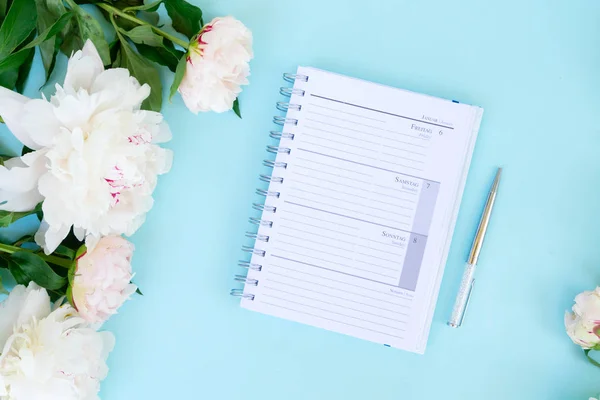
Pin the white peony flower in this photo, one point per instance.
(48, 355)
(101, 283)
(583, 324)
(95, 162)
(217, 66)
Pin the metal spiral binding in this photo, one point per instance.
(288, 92)
(264, 208)
(267, 193)
(284, 120)
(281, 135)
(249, 265)
(274, 164)
(284, 106)
(270, 178)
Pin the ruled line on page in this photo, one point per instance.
(321, 220)
(275, 289)
(366, 133)
(368, 141)
(352, 187)
(348, 201)
(294, 197)
(295, 279)
(332, 262)
(345, 112)
(333, 270)
(366, 165)
(349, 217)
(334, 166)
(381, 111)
(344, 283)
(331, 173)
(330, 319)
(344, 241)
(395, 328)
(330, 303)
(367, 126)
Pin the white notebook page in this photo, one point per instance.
(366, 209)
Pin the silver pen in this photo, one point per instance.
(468, 279)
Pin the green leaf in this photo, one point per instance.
(18, 25)
(14, 61)
(8, 217)
(166, 55)
(127, 4)
(17, 272)
(3, 8)
(151, 7)
(145, 72)
(236, 108)
(26, 150)
(24, 72)
(9, 77)
(187, 18)
(179, 72)
(20, 57)
(2, 288)
(64, 251)
(51, 31)
(144, 34)
(151, 17)
(138, 291)
(38, 270)
(87, 27)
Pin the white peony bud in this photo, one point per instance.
(217, 66)
(102, 279)
(583, 324)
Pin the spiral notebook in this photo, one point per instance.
(359, 209)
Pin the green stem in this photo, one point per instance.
(5, 248)
(115, 11)
(590, 359)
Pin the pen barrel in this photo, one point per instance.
(464, 294)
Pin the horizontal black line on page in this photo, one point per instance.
(347, 216)
(330, 295)
(333, 270)
(350, 250)
(359, 212)
(332, 262)
(320, 220)
(340, 240)
(333, 166)
(368, 141)
(382, 112)
(366, 133)
(329, 319)
(368, 126)
(336, 305)
(344, 283)
(348, 186)
(348, 201)
(395, 328)
(345, 112)
(367, 165)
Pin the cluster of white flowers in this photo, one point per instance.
(49, 354)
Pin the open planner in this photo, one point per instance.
(359, 207)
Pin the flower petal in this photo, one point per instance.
(49, 237)
(19, 181)
(40, 122)
(83, 68)
(11, 111)
(21, 306)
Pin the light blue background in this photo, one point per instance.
(535, 68)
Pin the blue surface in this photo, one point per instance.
(534, 66)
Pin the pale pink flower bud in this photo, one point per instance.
(102, 279)
(217, 66)
(583, 324)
